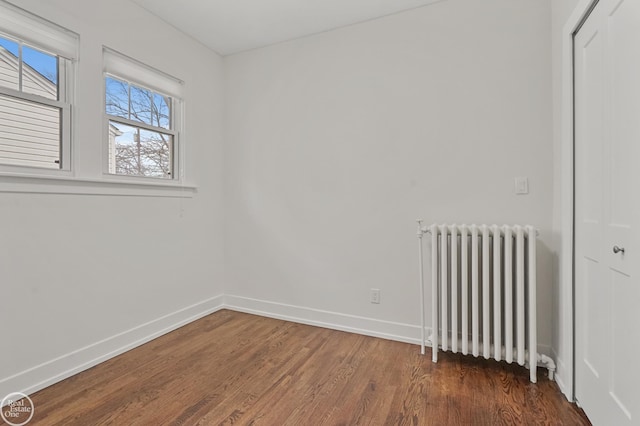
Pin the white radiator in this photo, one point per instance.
(484, 293)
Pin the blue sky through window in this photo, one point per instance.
(44, 63)
(11, 46)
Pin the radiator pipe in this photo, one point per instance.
(421, 267)
(434, 292)
(541, 360)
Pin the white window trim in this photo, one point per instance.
(177, 173)
(24, 26)
(34, 184)
(120, 66)
(38, 31)
(34, 31)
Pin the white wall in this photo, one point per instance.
(337, 142)
(79, 269)
(562, 320)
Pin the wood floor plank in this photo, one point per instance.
(231, 368)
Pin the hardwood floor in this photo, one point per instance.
(234, 368)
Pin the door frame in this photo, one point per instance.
(567, 314)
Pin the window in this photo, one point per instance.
(36, 60)
(142, 120)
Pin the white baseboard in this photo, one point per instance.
(401, 332)
(561, 377)
(55, 370)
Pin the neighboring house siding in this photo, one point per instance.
(113, 134)
(8, 70)
(36, 84)
(29, 132)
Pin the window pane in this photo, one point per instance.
(139, 152)
(161, 116)
(9, 64)
(9, 45)
(117, 97)
(29, 133)
(140, 105)
(39, 73)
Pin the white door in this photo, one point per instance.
(607, 213)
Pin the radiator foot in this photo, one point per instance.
(434, 351)
(548, 363)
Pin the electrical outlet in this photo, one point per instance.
(522, 185)
(375, 295)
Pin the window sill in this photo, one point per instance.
(35, 184)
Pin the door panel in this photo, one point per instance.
(607, 178)
(621, 56)
(623, 343)
(595, 303)
(592, 307)
(623, 60)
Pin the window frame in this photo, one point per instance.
(124, 68)
(81, 145)
(108, 118)
(64, 101)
